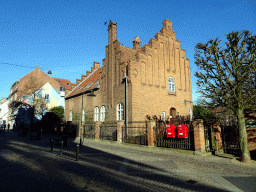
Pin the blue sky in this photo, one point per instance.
(66, 36)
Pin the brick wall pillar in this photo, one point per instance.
(119, 125)
(97, 129)
(151, 135)
(199, 139)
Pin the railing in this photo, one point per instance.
(137, 133)
(108, 131)
(89, 131)
(179, 143)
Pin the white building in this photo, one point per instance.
(3, 111)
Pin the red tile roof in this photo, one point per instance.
(63, 82)
(87, 84)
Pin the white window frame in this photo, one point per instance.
(46, 96)
(96, 114)
(163, 115)
(119, 112)
(171, 84)
(190, 113)
(102, 113)
(83, 113)
(70, 115)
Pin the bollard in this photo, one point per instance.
(61, 147)
(51, 145)
(80, 142)
(77, 152)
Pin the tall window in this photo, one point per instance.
(120, 112)
(163, 115)
(96, 114)
(102, 113)
(171, 84)
(83, 115)
(70, 115)
(190, 113)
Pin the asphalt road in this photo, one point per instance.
(107, 166)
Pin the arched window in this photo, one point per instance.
(83, 113)
(120, 112)
(171, 84)
(172, 113)
(70, 115)
(102, 113)
(96, 114)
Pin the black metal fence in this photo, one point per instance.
(108, 131)
(180, 143)
(137, 133)
(89, 131)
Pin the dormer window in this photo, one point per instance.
(62, 88)
(67, 83)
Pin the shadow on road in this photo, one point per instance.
(29, 166)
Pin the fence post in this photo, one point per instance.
(77, 152)
(199, 138)
(150, 133)
(97, 129)
(119, 125)
(51, 145)
(61, 147)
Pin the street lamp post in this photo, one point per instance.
(125, 79)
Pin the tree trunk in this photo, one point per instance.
(245, 153)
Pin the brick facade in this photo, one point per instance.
(148, 68)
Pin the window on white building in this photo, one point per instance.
(102, 113)
(120, 112)
(83, 113)
(171, 84)
(70, 115)
(46, 96)
(62, 88)
(96, 114)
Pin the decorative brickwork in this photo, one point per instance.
(148, 69)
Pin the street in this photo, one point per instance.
(107, 166)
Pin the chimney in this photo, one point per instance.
(111, 32)
(136, 43)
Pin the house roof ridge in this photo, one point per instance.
(81, 82)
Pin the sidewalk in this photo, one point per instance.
(108, 166)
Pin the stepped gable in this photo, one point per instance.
(83, 86)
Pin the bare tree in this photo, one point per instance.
(31, 96)
(226, 77)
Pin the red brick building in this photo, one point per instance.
(159, 81)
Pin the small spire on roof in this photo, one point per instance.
(136, 39)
